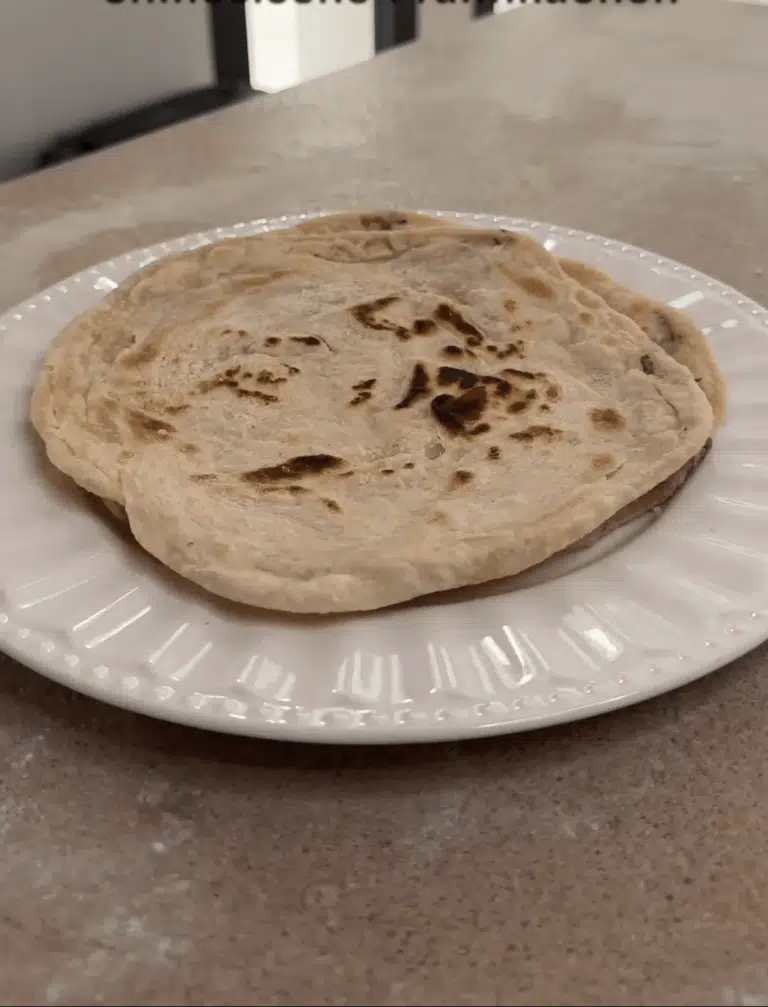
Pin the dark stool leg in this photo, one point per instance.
(395, 22)
(482, 7)
(230, 41)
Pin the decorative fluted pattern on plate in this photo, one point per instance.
(581, 634)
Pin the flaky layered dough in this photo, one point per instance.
(682, 339)
(339, 421)
(670, 329)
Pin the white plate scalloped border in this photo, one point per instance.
(652, 609)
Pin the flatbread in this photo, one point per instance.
(674, 331)
(339, 422)
(366, 220)
(669, 328)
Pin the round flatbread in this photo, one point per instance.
(337, 422)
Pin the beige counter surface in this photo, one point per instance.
(618, 861)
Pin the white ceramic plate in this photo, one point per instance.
(656, 606)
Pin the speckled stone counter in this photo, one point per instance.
(618, 861)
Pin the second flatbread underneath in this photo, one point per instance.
(670, 329)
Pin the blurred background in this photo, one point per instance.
(80, 75)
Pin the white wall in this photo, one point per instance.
(65, 63)
(291, 42)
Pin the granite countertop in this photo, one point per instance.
(617, 861)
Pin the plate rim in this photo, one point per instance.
(24, 645)
(435, 732)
